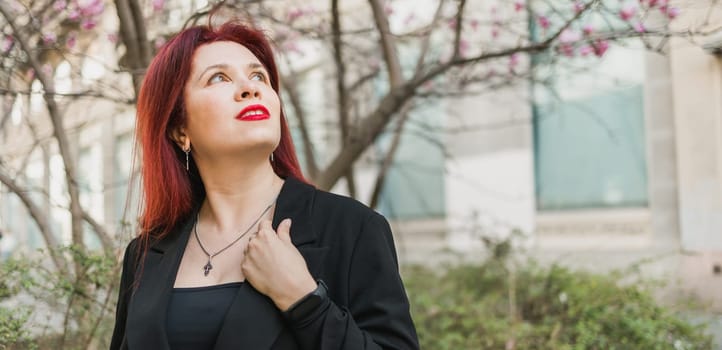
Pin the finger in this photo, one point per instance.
(248, 245)
(265, 227)
(284, 231)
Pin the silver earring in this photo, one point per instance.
(271, 157)
(187, 151)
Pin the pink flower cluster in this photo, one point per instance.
(572, 42)
(298, 12)
(87, 12)
(7, 44)
(670, 11)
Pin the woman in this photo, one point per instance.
(236, 250)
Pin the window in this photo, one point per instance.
(589, 139)
(414, 184)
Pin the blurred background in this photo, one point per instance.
(552, 169)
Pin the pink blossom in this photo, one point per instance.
(292, 46)
(294, 14)
(578, 6)
(7, 43)
(94, 8)
(88, 24)
(410, 18)
(514, 60)
(49, 38)
(588, 29)
(71, 40)
(113, 38)
(652, 3)
(60, 5)
(388, 9)
(463, 47)
(569, 36)
(600, 47)
(673, 12)
(518, 5)
(158, 5)
(586, 50)
(159, 42)
(495, 32)
(452, 23)
(74, 15)
(627, 12)
(543, 22)
(639, 27)
(566, 50)
(474, 24)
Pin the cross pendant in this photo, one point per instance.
(207, 269)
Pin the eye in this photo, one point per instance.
(217, 77)
(258, 76)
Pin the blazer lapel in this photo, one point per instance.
(296, 202)
(253, 321)
(148, 306)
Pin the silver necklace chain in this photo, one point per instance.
(208, 266)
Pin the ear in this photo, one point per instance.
(179, 136)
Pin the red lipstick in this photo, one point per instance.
(253, 112)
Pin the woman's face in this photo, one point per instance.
(230, 105)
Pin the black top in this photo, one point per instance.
(195, 315)
(344, 243)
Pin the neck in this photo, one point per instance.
(236, 193)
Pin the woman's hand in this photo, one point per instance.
(274, 266)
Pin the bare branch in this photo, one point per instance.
(458, 28)
(427, 39)
(100, 231)
(58, 128)
(79, 94)
(388, 46)
(291, 87)
(40, 218)
(389, 158)
(341, 91)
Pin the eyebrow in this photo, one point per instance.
(252, 65)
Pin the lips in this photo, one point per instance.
(253, 112)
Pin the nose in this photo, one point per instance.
(245, 90)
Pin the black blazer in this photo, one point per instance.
(344, 243)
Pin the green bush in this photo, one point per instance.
(492, 307)
(83, 299)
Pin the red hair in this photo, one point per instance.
(170, 191)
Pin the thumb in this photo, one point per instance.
(284, 231)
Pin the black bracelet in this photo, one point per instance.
(309, 302)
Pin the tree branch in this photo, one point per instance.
(458, 27)
(79, 94)
(388, 45)
(291, 88)
(389, 158)
(58, 128)
(341, 92)
(40, 218)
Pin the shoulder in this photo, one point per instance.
(332, 205)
